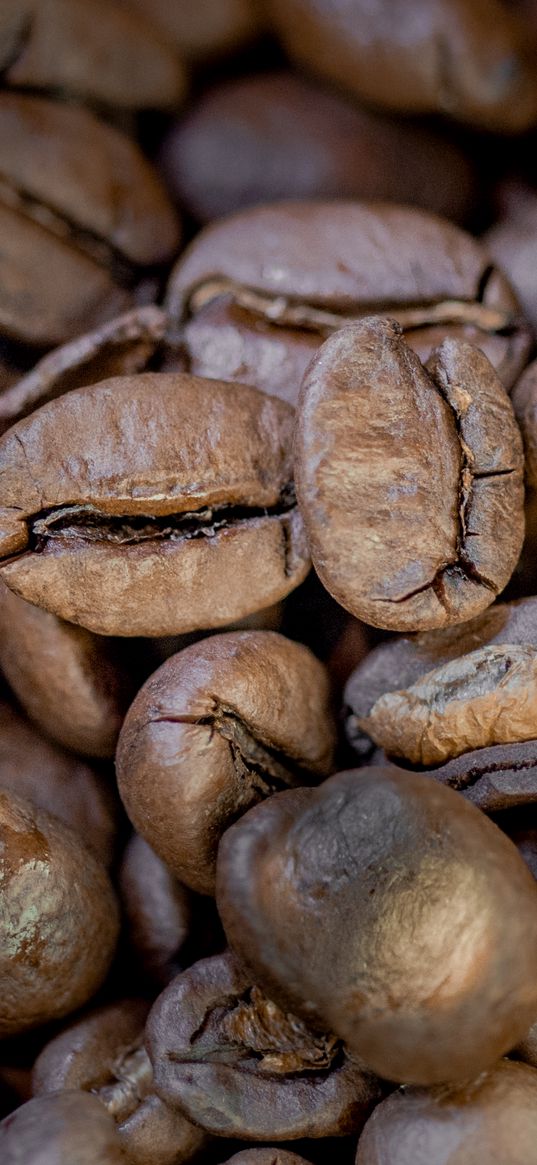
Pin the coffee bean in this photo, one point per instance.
(409, 478)
(135, 506)
(220, 726)
(254, 296)
(32, 766)
(205, 30)
(159, 911)
(290, 138)
(89, 49)
(400, 662)
(59, 918)
(83, 220)
(104, 1054)
(67, 1128)
(457, 57)
(386, 866)
(119, 347)
(238, 1066)
(512, 242)
(493, 779)
(71, 683)
(492, 1119)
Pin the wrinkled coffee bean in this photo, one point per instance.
(255, 295)
(64, 1128)
(238, 1066)
(88, 49)
(409, 478)
(71, 683)
(59, 920)
(492, 1119)
(400, 663)
(33, 767)
(488, 697)
(119, 347)
(387, 866)
(83, 219)
(104, 1054)
(463, 58)
(205, 30)
(159, 911)
(220, 726)
(155, 493)
(289, 138)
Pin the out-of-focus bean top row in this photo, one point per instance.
(118, 118)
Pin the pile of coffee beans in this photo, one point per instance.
(268, 582)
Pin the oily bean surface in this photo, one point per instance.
(387, 866)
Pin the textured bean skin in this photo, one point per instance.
(218, 727)
(163, 488)
(410, 478)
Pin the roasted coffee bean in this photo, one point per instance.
(88, 49)
(83, 218)
(159, 911)
(464, 58)
(387, 866)
(59, 919)
(525, 406)
(255, 295)
(266, 1156)
(137, 506)
(71, 683)
(451, 659)
(409, 478)
(400, 662)
(204, 30)
(103, 1053)
(34, 767)
(526, 844)
(220, 726)
(64, 1128)
(492, 1119)
(119, 347)
(290, 138)
(493, 779)
(512, 242)
(237, 1065)
(488, 697)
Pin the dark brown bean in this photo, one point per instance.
(74, 685)
(492, 1119)
(64, 1128)
(223, 724)
(159, 911)
(464, 58)
(34, 767)
(409, 478)
(237, 1065)
(290, 138)
(254, 295)
(89, 49)
(59, 918)
(386, 866)
(133, 507)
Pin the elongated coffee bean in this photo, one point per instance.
(137, 506)
(409, 478)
